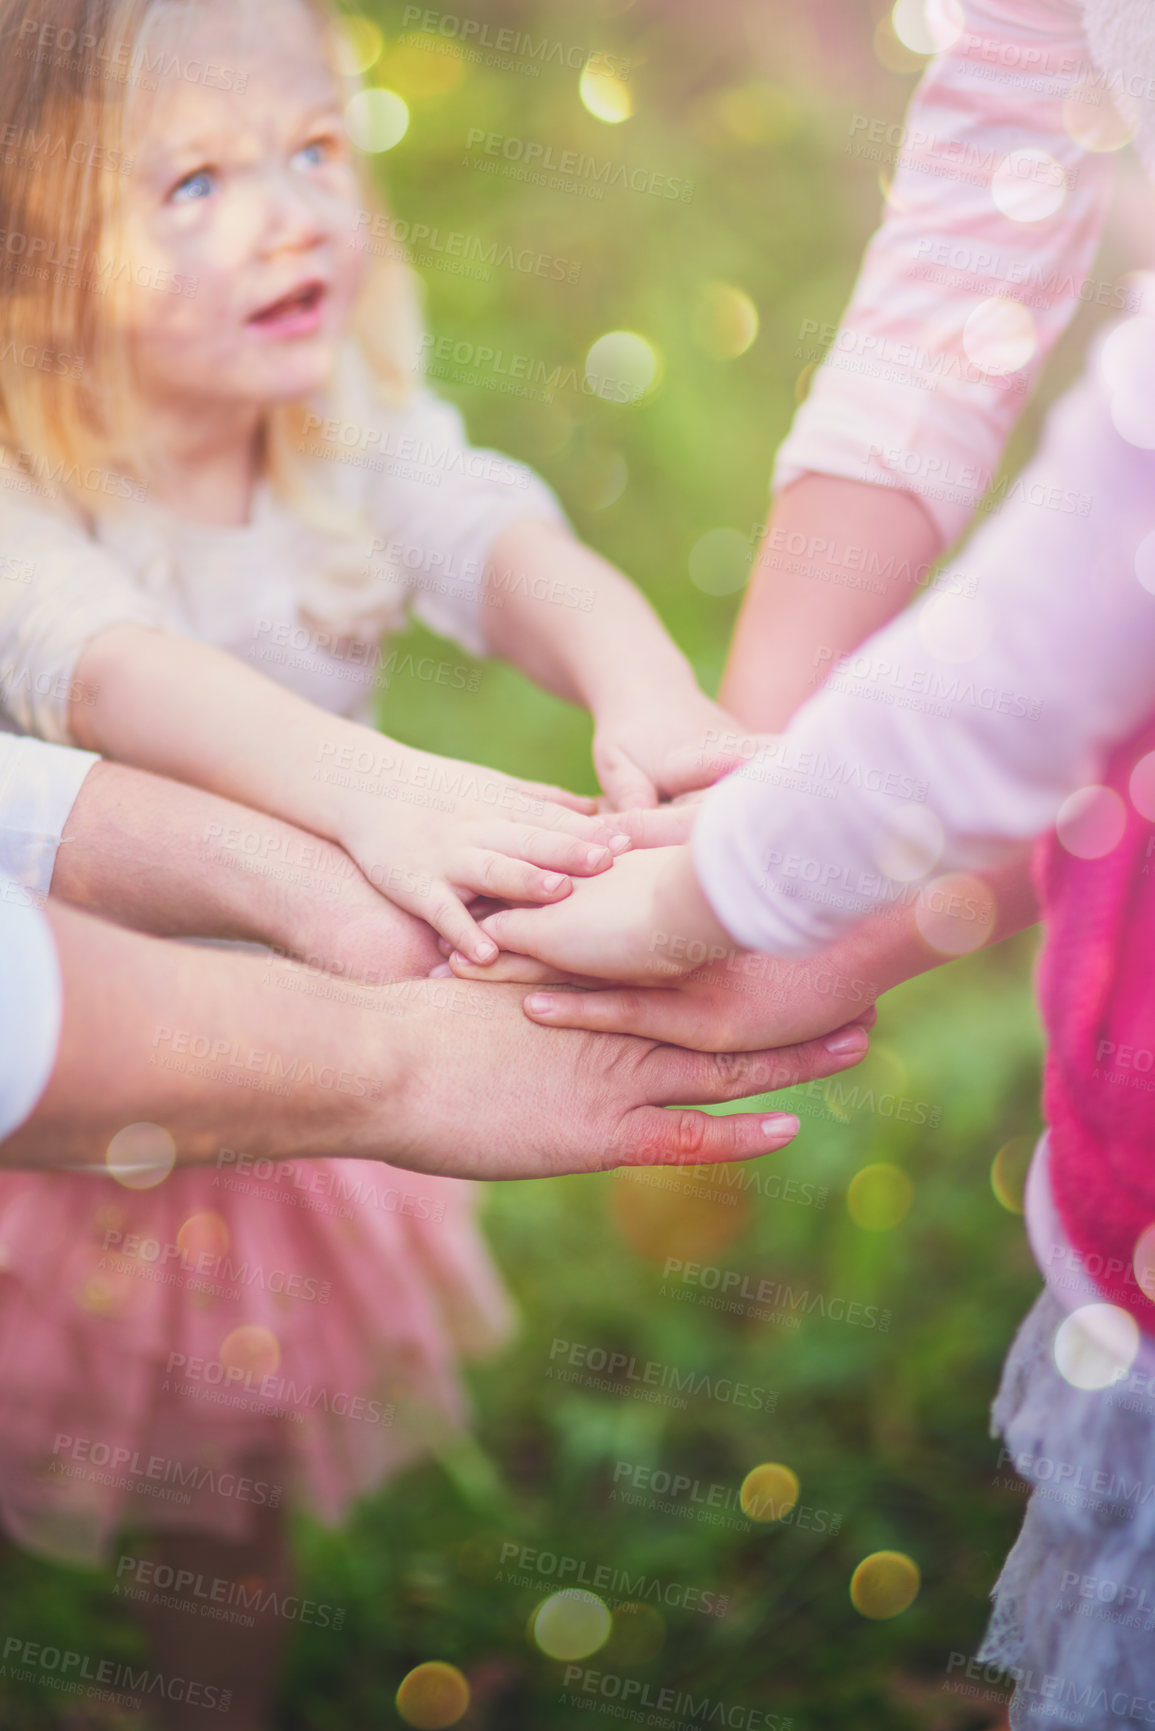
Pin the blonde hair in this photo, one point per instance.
(71, 409)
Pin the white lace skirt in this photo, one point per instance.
(1074, 1608)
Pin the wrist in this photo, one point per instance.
(682, 912)
(618, 690)
(348, 765)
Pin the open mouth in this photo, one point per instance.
(300, 307)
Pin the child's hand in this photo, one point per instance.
(650, 750)
(646, 920)
(432, 834)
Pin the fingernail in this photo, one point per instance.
(486, 950)
(541, 1004)
(619, 843)
(849, 1041)
(552, 881)
(598, 856)
(441, 972)
(781, 1124)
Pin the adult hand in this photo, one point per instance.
(486, 1094)
(741, 1003)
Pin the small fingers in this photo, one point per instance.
(553, 850)
(509, 880)
(520, 970)
(576, 802)
(627, 787)
(602, 830)
(447, 916)
(652, 1137)
(664, 826)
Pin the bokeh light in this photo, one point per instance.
(251, 1350)
(376, 120)
(1141, 787)
(955, 913)
(1127, 366)
(680, 1212)
(203, 1238)
(571, 1624)
(1145, 562)
(927, 26)
(769, 1492)
(1091, 822)
(1143, 1262)
(884, 1584)
(1009, 1170)
(359, 44)
(1096, 1345)
(433, 1695)
(879, 1196)
(719, 562)
(725, 320)
(418, 66)
(140, 1156)
(603, 93)
(1028, 186)
(1095, 122)
(999, 336)
(892, 53)
(622, 366)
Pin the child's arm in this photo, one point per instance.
(427, 832)
(581, 629)
(902, 399)
(933, 752)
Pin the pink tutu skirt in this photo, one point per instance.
(241, 1334)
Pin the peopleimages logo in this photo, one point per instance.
(67, 1670)
(672, 1708)
(618, 1585)
(650, 1379)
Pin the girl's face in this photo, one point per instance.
(235, 250)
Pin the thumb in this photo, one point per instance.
(689, 767)
(627, 787)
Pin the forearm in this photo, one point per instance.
(838, 560)
(211, 1045)
(185, 710)
(161, 857)
(576, 625)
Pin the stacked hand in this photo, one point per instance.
(432, 834)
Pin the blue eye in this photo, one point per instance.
(311, 155)
(197, 185)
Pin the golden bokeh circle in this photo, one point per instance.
(769, 1491)
(433, 1695)
(879, 1196)
(884, 1584)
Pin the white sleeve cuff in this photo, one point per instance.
(38, 787)
(30, 1006)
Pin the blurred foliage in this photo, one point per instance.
(887, 1431)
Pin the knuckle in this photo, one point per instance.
(491, 867)
(687, 1135)
(730, 1069)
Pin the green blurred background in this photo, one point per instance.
(752, 101)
